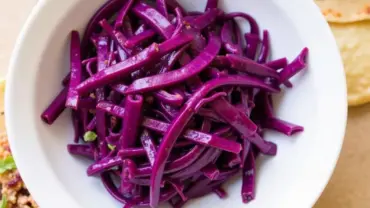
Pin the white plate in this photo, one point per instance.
(294, 178)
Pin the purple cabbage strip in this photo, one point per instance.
(103, 165)
(87, 103)
(162, 95)
(281, 126)
(126, 67)
(162, 7)
(102, 62)
(211, 171)
(168, 98)
(210, 99)
(122, 54)
(176, 77)
(265, 49)
(84, 118)
(288, 84)
(179, 124)
(278, 63)
(249, 179)
(199, 42)
(221, 62)
(246, 105)
(207, 157)
(136, 152)
(173, 4)
(131, 120)
(139, 38)
(89, 69)
(116, 35)
(252, 22)
(173, 58)
(112, 189)
(122, 14)
(238, 35)
(294, 67)
(201, 187)
(268, 104)
(179, 188)
(206, 19)
(228, 173)
(76, 71)
(167, 110)
(104, 12)
(86, 61)
(94, 39)
(162, 115)
(153, 18)
(242, 124)
(180, 21)
(145, 181)
(127, 27)
(210, 114)
(253, 43)
(113, 138)
(243, 64)
(229, 160)
(128, 172)
(211, 4)
(81, 150)
(228, 39)
(221, 193)
(66, 79)
(246, 149)
(76, 126)
(92, 124)
(149, 146)
(56, 108)
(94, 59)
(120, 88)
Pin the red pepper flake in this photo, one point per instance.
(367, 9)
(338, 14)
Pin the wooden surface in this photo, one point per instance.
(350, 184)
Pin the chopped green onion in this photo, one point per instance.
(7, 164)
(111, 147)
(4, 202)
(90, 136)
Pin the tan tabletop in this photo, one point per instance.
(350, 184)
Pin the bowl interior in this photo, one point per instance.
(294, 178)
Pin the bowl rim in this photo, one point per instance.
(47, 198)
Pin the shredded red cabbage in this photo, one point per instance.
(172, 103)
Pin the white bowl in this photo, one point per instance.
(294, 178)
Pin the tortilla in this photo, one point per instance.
(353, 40)
(344, 11)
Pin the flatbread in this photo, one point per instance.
(344, 11)
(353, 40)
